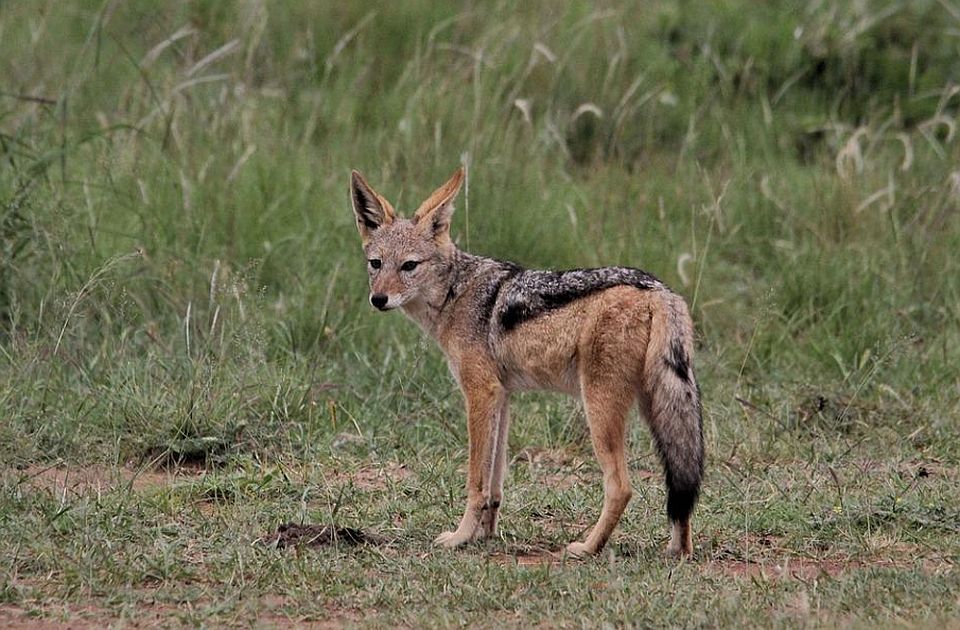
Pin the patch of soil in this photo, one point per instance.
(16, 617)
(546, 456)
(918, 469)
(379, 476)
(558, 480)
(807, 569)
(268, 612)
(79, 616)
(94, 479)
(554, 468)
(372, 477)
(528, 559)
(562, 469)
(311, 535)
(797, 569)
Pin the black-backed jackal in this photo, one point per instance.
(613, 336)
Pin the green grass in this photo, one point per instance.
(182, 289)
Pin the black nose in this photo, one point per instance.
(379, 300)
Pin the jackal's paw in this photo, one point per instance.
(675, 552)
(487, 528)
(450, 540)
(579, 550)
(485, 533)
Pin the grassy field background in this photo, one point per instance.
(188, 359)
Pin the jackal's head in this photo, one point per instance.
(407, 259)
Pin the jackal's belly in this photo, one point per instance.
(542, 354)
(564, 379)
(552, 373)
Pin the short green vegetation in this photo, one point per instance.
(188, 358)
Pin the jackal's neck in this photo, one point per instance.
(449, 283)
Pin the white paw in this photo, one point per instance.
(578, 550)
(450, 540)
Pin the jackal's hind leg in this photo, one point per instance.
(607, 405)
(681, 539)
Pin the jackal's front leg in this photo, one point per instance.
(498, 469)
(485, 399)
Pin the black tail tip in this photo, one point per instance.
(680, 503)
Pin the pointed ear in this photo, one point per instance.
(371, 209)
(435, 213)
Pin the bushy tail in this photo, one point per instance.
(673, 401)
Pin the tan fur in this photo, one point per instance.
(608, 348)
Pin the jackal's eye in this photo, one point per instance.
(375, 263)
(410, 265)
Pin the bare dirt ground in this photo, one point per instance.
(156, 616)
(752, 557)
(77, 480)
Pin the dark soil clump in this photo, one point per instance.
(312, 535)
